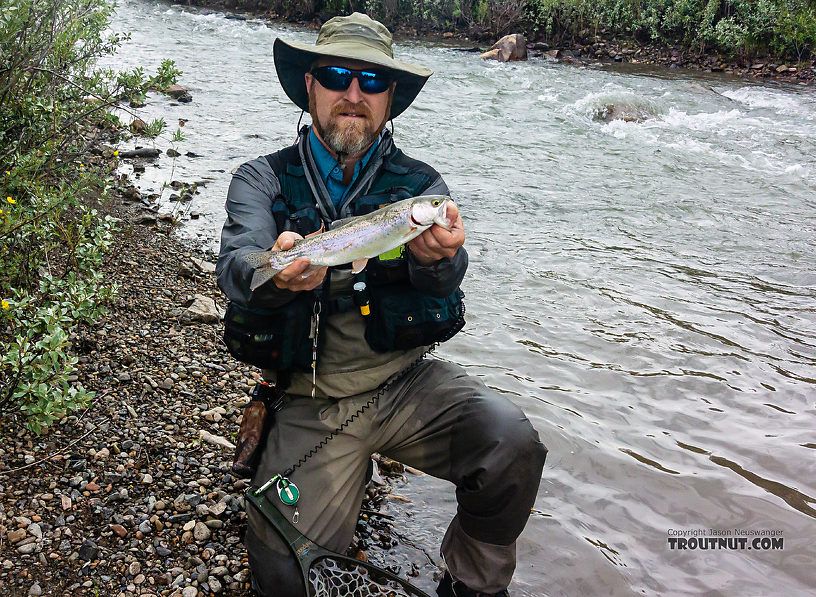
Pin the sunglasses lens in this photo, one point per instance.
(374, 81)
(336, 78)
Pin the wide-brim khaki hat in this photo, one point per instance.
(356, 37)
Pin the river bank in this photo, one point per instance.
(133, 495)
(589, 47)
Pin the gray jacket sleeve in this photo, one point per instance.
(250, 227)
(440, 278)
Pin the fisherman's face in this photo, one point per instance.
(348, 121)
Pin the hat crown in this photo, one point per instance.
(356, 28)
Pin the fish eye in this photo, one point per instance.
(436, 203)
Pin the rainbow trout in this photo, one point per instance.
(358, 239)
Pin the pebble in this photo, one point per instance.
(143, 486)
(28, 548)
(35, 589)
(201, 532)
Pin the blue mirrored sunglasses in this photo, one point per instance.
(337, 78)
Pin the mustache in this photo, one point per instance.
(346, 107)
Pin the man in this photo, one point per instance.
(432, 415)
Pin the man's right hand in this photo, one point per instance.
(292, 278)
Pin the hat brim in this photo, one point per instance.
(293, 60)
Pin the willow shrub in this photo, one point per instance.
(53, 108)
(785, 28)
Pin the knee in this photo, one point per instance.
(510, 438)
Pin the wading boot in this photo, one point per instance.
(454, 588)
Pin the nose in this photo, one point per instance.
(354, 94)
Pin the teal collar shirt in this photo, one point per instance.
(330, 170)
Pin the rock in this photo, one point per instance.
(145, 528)
(781, 69)
(447, 35)
(179, 93)
(89, 551)
(132, 194)
(119, 530)
(509, 48)
(216, 440)
(624, 112)
(134, 568)
(204, 267)
(553, 54)
(201, 532)
(189, 592)
(17, 535)
(203, 309)
(28, 548)
(138, 126)
(215, 584)
(141, 152)
(538, 46)
(491, 55)
(35, 590)
(35, 530)
(758, 66)
(172, 153)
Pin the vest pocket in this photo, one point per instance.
(402, 318)
(274, 339)
(305, 221)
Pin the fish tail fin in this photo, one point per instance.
(262, 275)
(265, 266)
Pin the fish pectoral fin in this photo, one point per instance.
(358, 265)
(309, 270)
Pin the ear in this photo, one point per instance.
(307, 77)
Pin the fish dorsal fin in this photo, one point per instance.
(342, 222)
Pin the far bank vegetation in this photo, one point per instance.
(740, 28)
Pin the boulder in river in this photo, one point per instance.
(179, 93)
(624, 112)
(509, 48)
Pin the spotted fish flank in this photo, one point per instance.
(358, 239)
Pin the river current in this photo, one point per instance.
(645, 291)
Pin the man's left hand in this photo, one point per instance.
(437, 243)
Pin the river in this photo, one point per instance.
(645, 291)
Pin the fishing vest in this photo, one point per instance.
(400, 318)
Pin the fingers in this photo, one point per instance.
(437, 243)
(285, 240)
(292, 278)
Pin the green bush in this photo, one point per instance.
(53, 109)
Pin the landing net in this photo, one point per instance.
(333, 577)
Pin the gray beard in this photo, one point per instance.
(349, 141)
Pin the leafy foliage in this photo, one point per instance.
(784, 27)
(52, 111)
